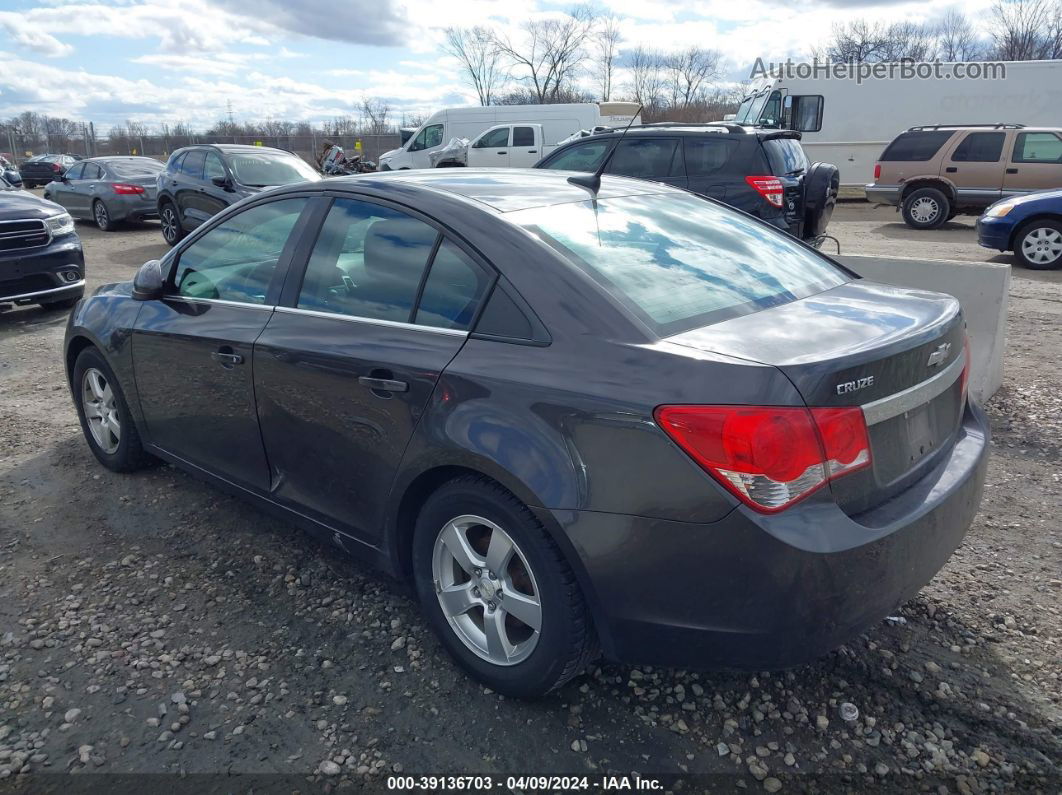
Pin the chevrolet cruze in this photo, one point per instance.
(576, 418)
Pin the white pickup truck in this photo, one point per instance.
(508, 146)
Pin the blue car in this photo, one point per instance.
(1030, 226)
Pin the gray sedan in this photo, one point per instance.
(108, 190)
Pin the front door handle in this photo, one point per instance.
(383, 384)
(504, 152)
(951, 169)
(226, 358)
(532, 151)
(1012, 171)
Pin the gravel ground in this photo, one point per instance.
(150, 624)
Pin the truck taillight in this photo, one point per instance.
(877, 171)
(770, 457)
(769, 188)
(125, 190)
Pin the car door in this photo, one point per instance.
(709, 165)
(656, 159)
(427, 139)
(215, 197)
(82, 190)
(189, 191)
(1035, 163)
(347, 363)
(491, 149)
(526, 145)
(192, 349)
(975, 165)
(63, 192)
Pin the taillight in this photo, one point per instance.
(122, 188)
(56, 168)
(965, 369)
(769, 188)
(877, 171)
(770, 456)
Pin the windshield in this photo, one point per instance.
(260, 169)
(678, 262)
(749, 110)
(135, 168)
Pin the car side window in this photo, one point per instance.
(193, 164)
(523, 136)
(176, 163)
(495, 139)
(1038, 147)
(92, 171)
(368, 262)
(644, 157)
(979, 147)
(236, 259)
(453, 291)
(708, 156)
(74, 172)
(581, 157)
(427, 138)
(214, 167)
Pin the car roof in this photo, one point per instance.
(502, 189)
(687, 128)
(118, 159)
(237, 148)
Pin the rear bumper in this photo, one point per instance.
(132, 208)
(883, 194)
(761, 592)
(994, 232)
(51, 273)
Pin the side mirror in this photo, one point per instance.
(148, 284)
(60, 178)
(221, 182)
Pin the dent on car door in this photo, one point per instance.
(346, 365)
(1035, 163)
(192, 349)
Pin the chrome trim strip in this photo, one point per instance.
(6, 298)
(291, 310)
(189, 300)
(894, 405)
(44, 228)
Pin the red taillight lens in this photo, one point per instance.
(877, 171)
(56, 168)
(769, 188)
(122, 188)
(770, 456)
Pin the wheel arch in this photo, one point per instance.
(941, 184)
(74, 347)
(1025, 222)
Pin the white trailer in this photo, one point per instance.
(849, 122)
(557, 122)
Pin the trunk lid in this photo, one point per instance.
(897, 353)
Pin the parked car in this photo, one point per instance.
(108, 190)
(199, 181)
(763, 172)
(9, 173)
(42, 169)
(569, 419)
(40, 254)
(935, 173)
(1030, 226)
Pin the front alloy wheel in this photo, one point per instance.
(171, 225)
(1040, 246)
(101, 411)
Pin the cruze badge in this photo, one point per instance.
(855, 386)
(939, 356)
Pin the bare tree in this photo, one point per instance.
(907, 41)
(956, 40)
(689, 72)
(549, 51)
(1024, 30)
(607, 39)
(647, 77)
(860, 41)
(482, 62)
(376, 113)
(855, 42)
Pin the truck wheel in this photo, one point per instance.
(1038, 245)
(926, 208)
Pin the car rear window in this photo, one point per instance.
(137, 168)
(918, 145)
(786, 156)
(677, 261)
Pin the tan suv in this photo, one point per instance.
(934, 173)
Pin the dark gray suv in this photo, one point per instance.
(199, 181)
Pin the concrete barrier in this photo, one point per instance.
(983, 289)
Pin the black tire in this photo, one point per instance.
(66, 304)
(821, 186)
(172, 231)
(566, 643)
(102, 216)
(926, 208)
(1043, 233)
(129, 455)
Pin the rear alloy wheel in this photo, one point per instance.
(105, 419)
(102, 216)
(926, 208)
(171, 224)
(498, 591)
(1039, 245)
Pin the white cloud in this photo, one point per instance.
(22, 33)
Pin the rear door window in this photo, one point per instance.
(916, 145)
(581, 157)
(646, 158)
(709, 155)
(785, 156)
(979, 147)
(523, 136)
(1041, 147)
(454, 290)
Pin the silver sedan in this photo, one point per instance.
(108, 190)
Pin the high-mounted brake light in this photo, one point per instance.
(124, 189)
(877, 171)
(769, 188)
(770, 456)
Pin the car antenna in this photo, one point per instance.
(593, 181)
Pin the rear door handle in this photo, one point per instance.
(1012, 171)
(383, 384)
(503, 153)
(951, 169)
(226, 358)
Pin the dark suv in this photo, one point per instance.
(41, 261)
(202, 180)
(763, 172)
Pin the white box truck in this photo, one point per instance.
(849, 122)
(556, 122)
